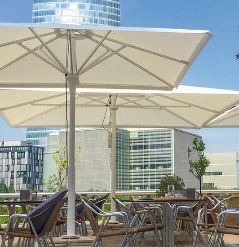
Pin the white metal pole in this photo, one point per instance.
(72, 80)
(113, 157)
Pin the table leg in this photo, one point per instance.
(168, 221)
(206, 225)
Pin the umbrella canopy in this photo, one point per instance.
(97, 57)
(184, 107)
(229, 118)
(100, 57)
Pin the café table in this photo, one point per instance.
(11, 205)
(168, 205)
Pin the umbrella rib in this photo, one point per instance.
(166, 109)
(175, 114)
(184, 102)
(180, 117)
(62, 104)
(219, 117)
(93, 51)
(35, 116)
(99, 60)
(142, 49)
(99, 100)
(127, 59)
(42, 58)
(145, 70)
(25, 39)
(130, 101)
(48, 49)
(25, 54)
(32, 102)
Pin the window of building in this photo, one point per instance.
(213, 174)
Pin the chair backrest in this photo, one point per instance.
(53, 218)
(232, 202)
(99, 202)
(79, 209)
(89, 213)
(41, 214)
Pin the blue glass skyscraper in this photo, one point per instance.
(83, 12)
(93, 12)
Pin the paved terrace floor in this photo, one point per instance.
(182, 239)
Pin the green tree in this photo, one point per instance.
(167, 180)
(11, 188)
(3, 186)
(198, 167)
(58, 182)
(52, 183)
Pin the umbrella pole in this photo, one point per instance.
(72, 82)
(113, 158)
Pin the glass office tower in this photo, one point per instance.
(85, 12)
(151, 157)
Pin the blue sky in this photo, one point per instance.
(215, 67)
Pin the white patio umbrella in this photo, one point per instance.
(185, 107)
(38, 55)
(229, 118)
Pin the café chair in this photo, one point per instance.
(80, 224)
(214, 208)
(120, 206)
(223, 228)
(185, 216)
(232, 202)
(131, 228)
(38, 223)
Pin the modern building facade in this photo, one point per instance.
(223, 171)
(21, 165)
(143, 157)
(151, 157)
(84, 12)
(37, 136)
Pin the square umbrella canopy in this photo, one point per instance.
(184, 107)
(38, 55)
(98, 56)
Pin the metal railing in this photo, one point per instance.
(122, 193)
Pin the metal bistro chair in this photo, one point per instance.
(91, 211)
(130, 230)
(60, 227)
(38, 222)
(222, 228)
(214, 207)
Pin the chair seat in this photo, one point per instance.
(133, 230)
(186, 218)
(225, 230)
